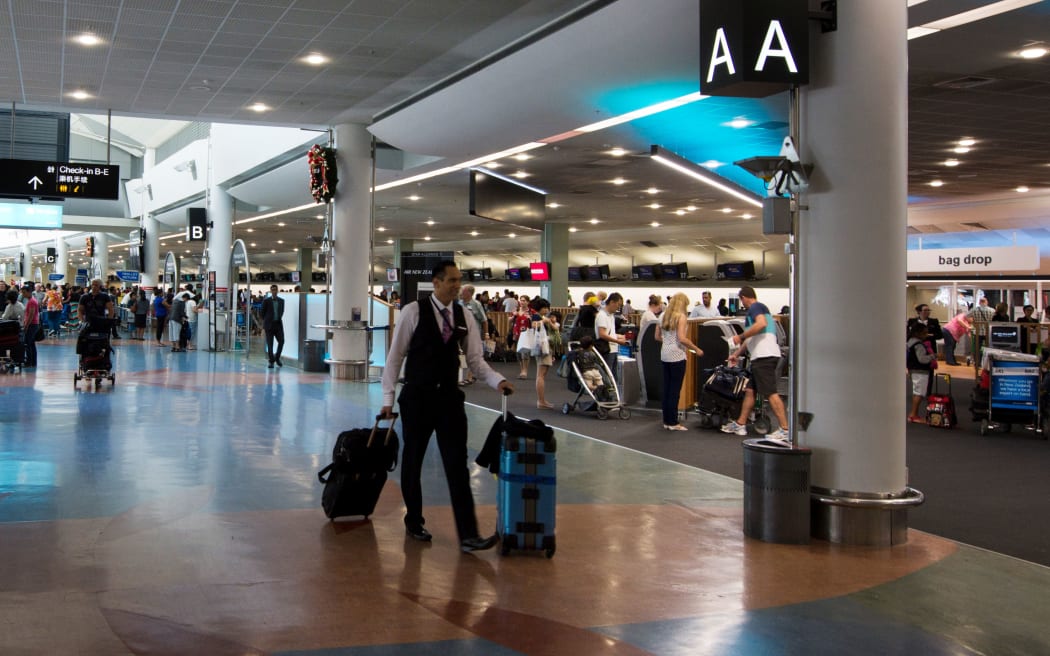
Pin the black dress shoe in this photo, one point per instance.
(278, 361)
(270, 366)
(419, 533)
(478, 543)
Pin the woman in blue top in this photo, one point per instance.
(160, 313)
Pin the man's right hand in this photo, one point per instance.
(387, 412)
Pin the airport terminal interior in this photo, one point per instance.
(169, 503)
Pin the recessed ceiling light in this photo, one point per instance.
(474, 233)
(727, 210)
(319, 216)
(521, 175)
(280, 241)
(281, 224)
(187, 250)
(739, 122)
(654, 206)
(554, 206)
(415, 197)
(655, 224)
(380, 229)
(1034, 52)
(492, 165)
(936, 183)
(1022, 189)
(273, 251)
(91, 39)
(962, 150)
(618, 181)
(430, 222)
(617, 152)
(427, 238)
(390, 241)
(680, 212)
(512, 235)
(249, 229)
(594, 221)
(252, 244)
(652, 191)
(259, 107)
(712, 164)
(315, 59)
(690, 208)
(574, 229)
(746, 216)
(521, 157)
(951, 162)
(967, 141)
(79, 94)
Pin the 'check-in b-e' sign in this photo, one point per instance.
(38, 179)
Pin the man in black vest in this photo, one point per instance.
(273, 324)
(429, 334)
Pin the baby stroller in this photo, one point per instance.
(722, 391)
(12, 352)
(95, 351)
(589, 374)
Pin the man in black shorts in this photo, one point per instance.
(760, 340)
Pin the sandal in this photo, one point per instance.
(523, 376)
(916, 420)
(676, 427)
(544, 406)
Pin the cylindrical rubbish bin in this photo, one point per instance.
(776, 492)
(313, 355)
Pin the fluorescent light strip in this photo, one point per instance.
(459, 167)
(510, 180)
(696, 175)
(273, 214)
(971, 16)
(643, 112)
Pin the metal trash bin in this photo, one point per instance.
(776, 492)
(313, 355)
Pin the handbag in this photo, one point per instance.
(541, 345)
(526, 340)
(730, 383)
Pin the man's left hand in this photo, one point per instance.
(506, 387)
(737, 340)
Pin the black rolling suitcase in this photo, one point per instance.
(361, 460)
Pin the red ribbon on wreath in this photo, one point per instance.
(323, 173)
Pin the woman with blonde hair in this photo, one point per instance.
(674, 346)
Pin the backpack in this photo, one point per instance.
(178, 310)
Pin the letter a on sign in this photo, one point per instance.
(777, 32)
(720, 55)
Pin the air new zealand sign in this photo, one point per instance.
(753, 48)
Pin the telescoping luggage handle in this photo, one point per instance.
(503, 403)
(947, 379)
(390, 429)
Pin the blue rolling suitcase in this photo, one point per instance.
(525, 498)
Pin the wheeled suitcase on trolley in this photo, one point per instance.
(525, 498)
(940, 408)
(361, 460)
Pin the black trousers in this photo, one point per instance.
(425, 411)
(274, 333)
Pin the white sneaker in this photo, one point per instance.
(780, 436)
(734, 428)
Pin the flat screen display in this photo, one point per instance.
(598, 272)
(513, 274)
(735, 271)
(24, 215)
(675, 271)
(575, 274)
(540, 271)
(643, 272)
(496, 198)
(391, 274)
(295, 276)
(1004, 336)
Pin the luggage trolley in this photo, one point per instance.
(95, 353)
(603, 391)
(11, 350)
(1013, 391)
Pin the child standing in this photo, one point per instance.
(920, 366)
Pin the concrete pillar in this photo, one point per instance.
(554, 248)
(101, 259)
(853, 129)
(220, 236)
(351, 239)
(62, 260)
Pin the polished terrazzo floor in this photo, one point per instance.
(177, 512)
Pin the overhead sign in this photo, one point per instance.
(55, 276)
(129, 276)
(753, 49)
(970, 260)
(196, 224)
(24, 215)
(51, 255)
(35, 179)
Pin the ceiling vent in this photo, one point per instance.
(648, 244)
(967, 82)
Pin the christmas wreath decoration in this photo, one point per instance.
(323, 173)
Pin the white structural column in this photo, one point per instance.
(351, 236)
(62, 260)
(854, 130)
(220, 236)
(555, 249)
(102, 255)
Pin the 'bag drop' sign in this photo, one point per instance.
(753, 48)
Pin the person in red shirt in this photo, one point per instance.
(30, 326)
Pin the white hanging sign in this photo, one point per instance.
(970, 260)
